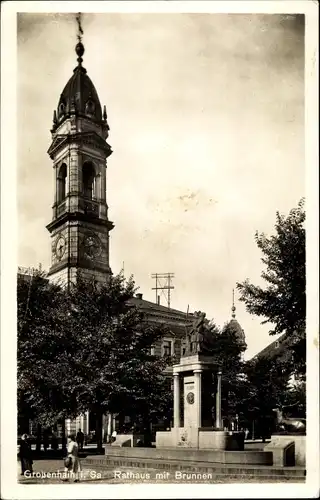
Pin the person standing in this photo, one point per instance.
(74, 467)
(80, 439)
(25, 454)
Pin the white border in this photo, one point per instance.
(9, 487)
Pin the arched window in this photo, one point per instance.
(62, 183)
(90, 107)
(88, 179)
(62, 109)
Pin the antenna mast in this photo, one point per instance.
(164, 284)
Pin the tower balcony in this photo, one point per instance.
(87, 206)
(61, 208)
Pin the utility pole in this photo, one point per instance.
(164, 284)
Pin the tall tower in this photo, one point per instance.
(80, 227)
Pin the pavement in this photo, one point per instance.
(45, 468)
(50, 470)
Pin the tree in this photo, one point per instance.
(295, 398)
(229, 350)
(43, 353)
(42, 349)
(85, 348)
(114, 370)
(267, 386)
(283, 301)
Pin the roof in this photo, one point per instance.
(79, 96)
(157, 312)
(276, 347)
(157, 307)
(80, 93)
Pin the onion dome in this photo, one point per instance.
(79, 96)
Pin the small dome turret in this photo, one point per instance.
(238, 331)
(234, 325)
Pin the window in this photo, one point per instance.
(62, 109)
(62, 183)
(88, 179)
(90, 107)
(166, 348)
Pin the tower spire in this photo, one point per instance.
(80, 30)
(233, 308)
(79, 46)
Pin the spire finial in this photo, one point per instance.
(233, 308)
(79, 46)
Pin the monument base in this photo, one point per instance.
(129, 440)
(299, 445)
(200, 438)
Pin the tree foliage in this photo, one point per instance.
(43, 350)
(84, 348)
(227, 349)
(113, 363)
(282, 302)
(270, 386)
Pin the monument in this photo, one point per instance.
(195, 379)
(289, 437)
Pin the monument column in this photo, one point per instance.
(218, 401)
(176, 400)
(197, 390)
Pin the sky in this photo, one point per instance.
(206, 115)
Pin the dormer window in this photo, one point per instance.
(90, 107)
(62, 109)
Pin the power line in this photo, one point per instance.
(163, 284)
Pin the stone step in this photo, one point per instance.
(171, 466)
(138, 475)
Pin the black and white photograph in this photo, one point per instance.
(159, 245)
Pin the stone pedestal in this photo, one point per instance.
(278, 445)
(129, 440)
(188, 380)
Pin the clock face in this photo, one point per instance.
(60, 247)
(92, 246)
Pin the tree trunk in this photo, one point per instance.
(99, 431)
(63, 437)
(38, 442)
(147, 431)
